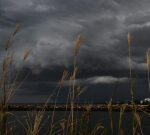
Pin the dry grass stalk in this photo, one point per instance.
(70, 81)
(148, 67)
(130, 67)
(131, 84)
(64, 77)
(16, 29)
(109, 106)
(62, 124)
(72, 98)
(74, 73)
(76, 48)
(78, 90)
(148, 58)
(122, 109)
(4, 64)
(98, 127)
(26, 54)
(129, 39)
(35, 128)
(7, 87)
(8, 43)
(138, 122)
(73, 77)
(38, 119)
(77, 44)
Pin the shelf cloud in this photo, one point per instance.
(50, 27)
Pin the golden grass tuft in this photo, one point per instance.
(80, 91)
(77, 44)
(148, 67)
(129, 39)
(16, 29)
(26, 54)
(148, 58)
(73, 76)
(64, 77)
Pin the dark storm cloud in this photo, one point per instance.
(95, 93)
(50, 27)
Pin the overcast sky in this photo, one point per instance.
(50, 27)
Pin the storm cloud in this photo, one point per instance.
(50, 27)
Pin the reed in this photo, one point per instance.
(17, 28)
(148, 67)
(78, 44)
(122, 109)
(111, 116)
(84, 124)
(76, 49)
(7, 84)
(5, 92)
(26, 54)
(130, 68)
(60, 83)
(137, 123)
(68, 125)
(131, 84)
(36, 117)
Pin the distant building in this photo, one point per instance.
(145, 101)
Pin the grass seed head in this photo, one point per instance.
(73, 77)
(148, 58)
(77, 44)
(16, 29)
(26, 54)
(129, 39)
(78, 90)
(64, 77)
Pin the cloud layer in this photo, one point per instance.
(50, 27)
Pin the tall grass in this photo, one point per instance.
(7, 84)
(73, 124)
(64, 77)
(148, 67)
(130, 68)
(76, 48)
(122, 109)
(136, 117)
